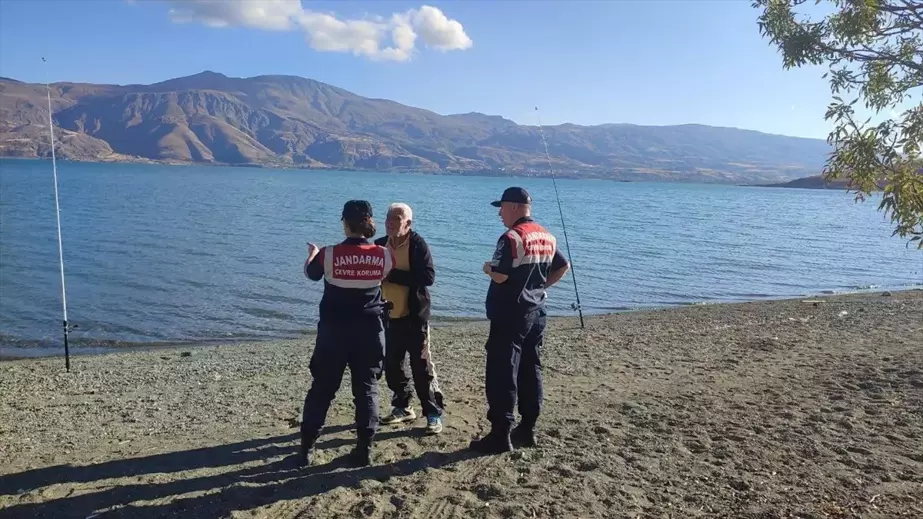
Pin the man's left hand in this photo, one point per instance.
(487, 268)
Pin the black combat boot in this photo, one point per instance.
(361, 456)
(497, 441)
(306, 451)
(523, 436)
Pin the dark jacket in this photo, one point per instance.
(420, 276)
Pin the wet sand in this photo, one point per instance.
(755, 410)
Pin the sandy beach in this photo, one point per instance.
(780, 409)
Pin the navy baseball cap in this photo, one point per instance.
(356, 210)
(517, 195)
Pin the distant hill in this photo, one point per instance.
(813, 182)
(818, 182)
(289, 121)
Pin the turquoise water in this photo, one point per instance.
(186, 253)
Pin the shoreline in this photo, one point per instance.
(633, 176)
(92, 346)
(807, 407)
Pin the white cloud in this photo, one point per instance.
(272, 15)
(377, 38)
(438, 31)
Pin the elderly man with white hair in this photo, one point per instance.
(406, 287)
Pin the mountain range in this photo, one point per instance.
(287, 121)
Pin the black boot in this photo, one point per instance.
(306, 452)
(523, 436)
(497, 441)
(362, 455)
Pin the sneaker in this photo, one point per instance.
(433, 425)
(398, 415)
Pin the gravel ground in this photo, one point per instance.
(754, 410)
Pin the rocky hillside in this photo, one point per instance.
(296, 122)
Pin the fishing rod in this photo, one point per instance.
(57, 207)
(561, 212)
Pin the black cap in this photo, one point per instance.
(516, 195)
(356, 210)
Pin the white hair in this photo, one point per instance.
(403, 208)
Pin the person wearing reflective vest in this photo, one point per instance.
(350, 331)
(525, 263)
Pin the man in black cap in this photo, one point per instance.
(526, 262)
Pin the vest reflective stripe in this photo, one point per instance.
(531, 244)
(356, 266)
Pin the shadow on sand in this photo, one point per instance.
(244, 488)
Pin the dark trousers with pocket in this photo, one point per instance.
(359, 344)
(514, 369)
(409, 337)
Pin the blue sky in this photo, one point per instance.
(645, 62)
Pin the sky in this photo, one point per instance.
(652, 62)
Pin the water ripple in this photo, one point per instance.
(167, 254)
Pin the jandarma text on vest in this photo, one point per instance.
(539, 243)
(367, 266)
(358, 260)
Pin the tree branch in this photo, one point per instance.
(915, 10)
(873, 55)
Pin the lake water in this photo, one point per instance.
(187, 253)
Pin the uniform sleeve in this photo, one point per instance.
(558, 261)
(502, 262)
(315, 269)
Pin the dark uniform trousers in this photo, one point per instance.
(359, 344)
(407, 335)
(514, 369)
